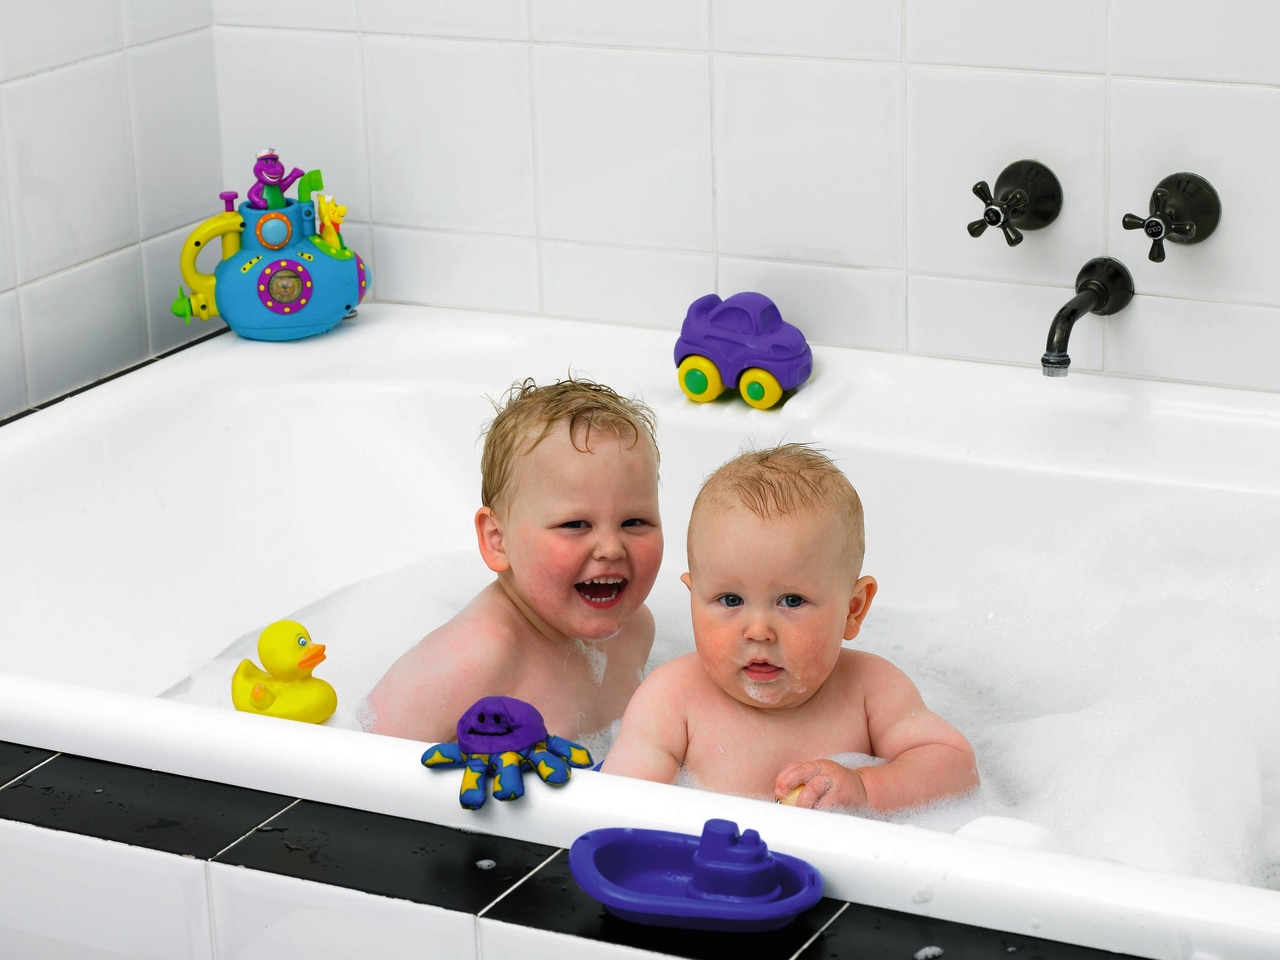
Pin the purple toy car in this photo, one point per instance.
(741, 343)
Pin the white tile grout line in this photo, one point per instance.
(27, 773)
(246, 835)
(518, 883)
(805, 946)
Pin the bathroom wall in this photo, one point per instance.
(613, 161)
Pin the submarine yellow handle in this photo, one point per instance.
(201, 303)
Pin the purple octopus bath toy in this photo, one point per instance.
(499, 738)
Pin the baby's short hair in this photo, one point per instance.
(528, 413)
(783, 480)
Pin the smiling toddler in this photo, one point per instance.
(569, 524)
(776, 586)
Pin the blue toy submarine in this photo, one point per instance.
(285, 272)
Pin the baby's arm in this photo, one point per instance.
(424, 693)
(928, 758)
(654, 736)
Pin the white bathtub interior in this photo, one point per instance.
(1080, 574)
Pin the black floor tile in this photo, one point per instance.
(160, 811)
(552, 900)
(392, 856)
(869, 933)
(15, 759)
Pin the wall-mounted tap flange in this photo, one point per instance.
(1184, 209)
(1027, 196)
(1103, 286)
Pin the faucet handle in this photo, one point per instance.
(1027, 196)
(1184, 209)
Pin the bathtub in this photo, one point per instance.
(1023, 531)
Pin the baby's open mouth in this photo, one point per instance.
(601, 591)
(761, 670)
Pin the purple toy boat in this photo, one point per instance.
(721, 881)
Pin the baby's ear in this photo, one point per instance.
(864, 592)
(489, 539)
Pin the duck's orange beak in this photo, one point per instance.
(313, 657)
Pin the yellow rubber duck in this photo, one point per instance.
(286, 689)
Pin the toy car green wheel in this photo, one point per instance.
(759, 388)
(700, 379)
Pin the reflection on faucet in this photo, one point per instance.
(1103, 286)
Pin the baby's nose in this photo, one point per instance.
(760, 628)
(609, 546)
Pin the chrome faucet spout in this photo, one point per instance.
(1103, 286)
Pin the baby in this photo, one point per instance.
(775, 563)
(570, 525)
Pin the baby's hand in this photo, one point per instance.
(820, 784)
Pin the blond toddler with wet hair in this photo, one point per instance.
(569, 524)
(772, 694)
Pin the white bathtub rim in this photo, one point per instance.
(1030, 892)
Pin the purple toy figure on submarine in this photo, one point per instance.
(286, 273)
(268, 192)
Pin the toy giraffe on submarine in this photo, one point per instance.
(286, 272)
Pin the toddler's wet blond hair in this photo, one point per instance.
(528, 413)
(782, 481)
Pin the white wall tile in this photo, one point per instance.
(495, 20)
(1189, 40)
(968, 125)
(326, 130)
(1008, 322)
(1046, 35)
(290, 14)
(1159, 129)
(626, 156)
(83, 324)
(264, 916)
(147, 20)
(809, 160)
(69, 160)
(853, 29)
(680, 24)
(8, 274)
(832, 305)
(161, 279)
(1192, 340)
(68, 897)
(450, 129)
(38, 36)
(359, 237)
(13, 377)
(456, 270)
(646, 287)
(175, 131)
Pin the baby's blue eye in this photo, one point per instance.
(731, 600)
(792, 600)
(634, 522)
(574, 524)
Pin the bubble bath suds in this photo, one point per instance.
(1133, 717)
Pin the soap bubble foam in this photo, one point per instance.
(1118, 683)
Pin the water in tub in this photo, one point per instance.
(1132, 717)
